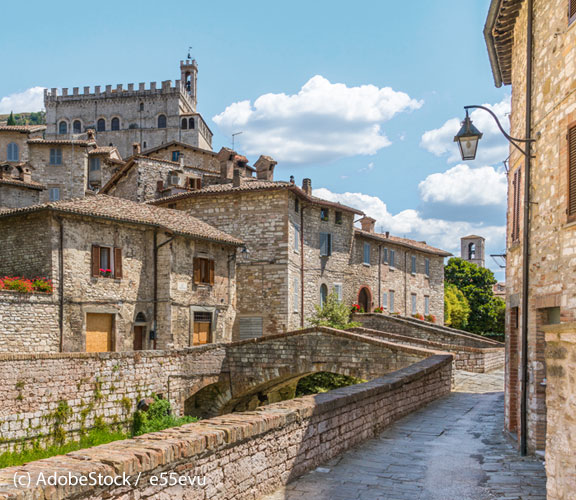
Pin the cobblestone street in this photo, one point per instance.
(453, 449)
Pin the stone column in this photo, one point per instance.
(561, 411)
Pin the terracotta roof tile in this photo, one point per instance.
(22, 128)
(71, 142)
(102, 150)
(21, 183)
(119, 209)
(405, 242)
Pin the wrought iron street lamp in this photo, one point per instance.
(467, 139)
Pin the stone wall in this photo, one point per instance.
(246, 455)
(561, 411)
(15, 196)
(19, 138)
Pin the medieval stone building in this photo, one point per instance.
(122, 116)
(472, 249)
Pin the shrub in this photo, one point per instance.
(42, 285)
(157, 417)
(324, 382)
(357, 308)
(25, 285)
(333, 313)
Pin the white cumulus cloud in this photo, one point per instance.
(492, 148)
(324, 121)
(463, 185)
(410, 223)
(30, 100)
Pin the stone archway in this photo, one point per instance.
(365, 299)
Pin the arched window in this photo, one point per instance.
(190, 123)
(162, 121)
(63, 128)
(13, 154)
(471, 251)
(184, 124)
(140, 318)
(115, 124)
(77, 127)
(323, 294)
(101, 125)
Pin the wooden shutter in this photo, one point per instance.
(572, 170)
(211, 267)
(197, 270)
(95, 260)
(118, 263)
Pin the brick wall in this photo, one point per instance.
(246, 455)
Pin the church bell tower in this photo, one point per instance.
(188, 78)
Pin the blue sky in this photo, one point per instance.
(323, 68)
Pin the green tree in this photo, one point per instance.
(334, 314)
(11, 120)
(476, 284)
(456, 307)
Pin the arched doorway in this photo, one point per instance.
(365, 299)
(139, 331)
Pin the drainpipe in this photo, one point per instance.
(406, 283)
(526, 236)
(61, 282)
(379, 275)
(301, 265)
(156, 248)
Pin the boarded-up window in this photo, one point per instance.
(516, 196)
(203, 271)
(572, 171)
(251, 327)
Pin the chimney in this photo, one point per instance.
(181, 159)
(136, 148)
(387, 234)
(368, 224)
(265, 168)
(236, 179)
(307, 186)
(90, 134)
(26, 175)
(226, 157)
(292, 179)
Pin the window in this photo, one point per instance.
(427, 267)
(296, 205)
(385, 300)
(516, 190)
(63, 128)
(250, 327)
(101, 125)
(203, 271)
(55, 156)
(323, 294)
(295, 294)
(191, 123)
(325, 244)
(296, 244)
(471, 251)
(94, 164)
(338, 291)
(366, 253)
(77, 127)
(413, 299)
(391, 301)
(572, 167)
(54, 194)
(385, 256)
(184, 124)
(162, 121)
(413, 269)
(392, 256)
(324, 214)
(13, 153)
(115, 124)
(338, 218)
(175, 155)
(141, 106)
(106, 262)
(571, 11)
(426, 305)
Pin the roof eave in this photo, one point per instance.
(490, 43)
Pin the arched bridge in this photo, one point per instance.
(266, 370)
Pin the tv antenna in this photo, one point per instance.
(234, 137)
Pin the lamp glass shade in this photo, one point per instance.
(467, 139)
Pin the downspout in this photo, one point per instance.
(406, 283)
(302, 265)
(526, 235)
(156, 248)
(379, 275)
(61, 283)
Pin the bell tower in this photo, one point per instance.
(472, 249)
(189, 77)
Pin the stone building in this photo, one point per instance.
(472, 249)
(540, 65)
(300, 248)
(122, 116)
(126, 276)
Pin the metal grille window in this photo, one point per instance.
(202, 317)
(572, 171)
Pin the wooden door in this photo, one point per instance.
(201, 333)
(139, 338)
(99, 332)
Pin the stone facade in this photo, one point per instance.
(282, 275)
(552, 274)
(123, 116)
(60, 246)
(250, 454)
